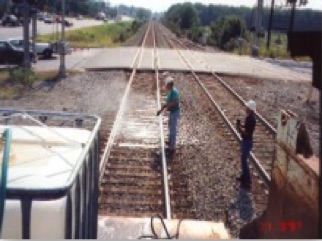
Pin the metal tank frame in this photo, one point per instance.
(81, 190)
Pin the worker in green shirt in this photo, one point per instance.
(173, 106)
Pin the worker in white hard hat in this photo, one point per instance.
(173, 106)
(247, 131)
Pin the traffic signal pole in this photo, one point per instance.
(34, 31)
(62, 67)
(26, 20)
(270, 24)
(258, 27)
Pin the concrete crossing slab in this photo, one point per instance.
(245, 65)
(196, 63)
(171, 60)
(109, 58)
(147, 59)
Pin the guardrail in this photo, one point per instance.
(7, 135)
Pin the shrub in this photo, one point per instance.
(226, 28)
(24, 76)
(231, 45)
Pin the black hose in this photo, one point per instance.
(155, 235)
(163, 224)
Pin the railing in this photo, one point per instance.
(4, 171)
(78, 196)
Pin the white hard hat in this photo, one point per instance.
(251, 105)
(165, 73)
(169, 80)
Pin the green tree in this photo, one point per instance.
(143, 14)
(227, 28)
(188, 16)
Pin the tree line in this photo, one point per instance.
(87, 8)
(204, 15)
(225, 24)
(92, 7)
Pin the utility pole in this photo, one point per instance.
(34, 30)
(258, 27)
(26, 19)
(291, 27)
(270, 25)
(62, 67)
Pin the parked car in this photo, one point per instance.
(41, 16)
(100, 16)
(68, 23)
(48, 20)
(44, 49)
(11, 55)
(58, 19)
(10, 20)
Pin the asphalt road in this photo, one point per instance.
(43, 28)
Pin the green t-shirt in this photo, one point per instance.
(171, 96)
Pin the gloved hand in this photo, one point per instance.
(159, 112)
(238, 124)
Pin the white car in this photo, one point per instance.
(48, 20)
(45, 49)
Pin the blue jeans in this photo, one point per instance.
(246, 147)
(173, 122)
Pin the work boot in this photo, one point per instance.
(170, 153)
(246, 185)
(240, 179)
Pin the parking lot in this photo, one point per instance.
(73, 60)
(43, 28)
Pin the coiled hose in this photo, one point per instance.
(6, 138)
(155, 236)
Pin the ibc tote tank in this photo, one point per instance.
(52, 183)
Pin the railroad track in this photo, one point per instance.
(134, 173)
(229, 104)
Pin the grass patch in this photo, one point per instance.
(278, 48)
(4, 76)
(106, 35)
(8, 93)
(16, 82)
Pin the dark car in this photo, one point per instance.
(68, 23)
(10, 20)
(12, 55)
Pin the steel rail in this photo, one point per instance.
(230, 89)
(262, 172)
(164, 160)
(119, 117)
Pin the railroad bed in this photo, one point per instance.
(131, 186)
(132, 181)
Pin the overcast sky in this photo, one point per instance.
(162, 5)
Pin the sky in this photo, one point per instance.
(163, 5)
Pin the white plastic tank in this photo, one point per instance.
(52, 183)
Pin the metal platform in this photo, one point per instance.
(134, 228)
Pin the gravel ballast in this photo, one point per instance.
(274, 95)
(96, 93)
(211, 162)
